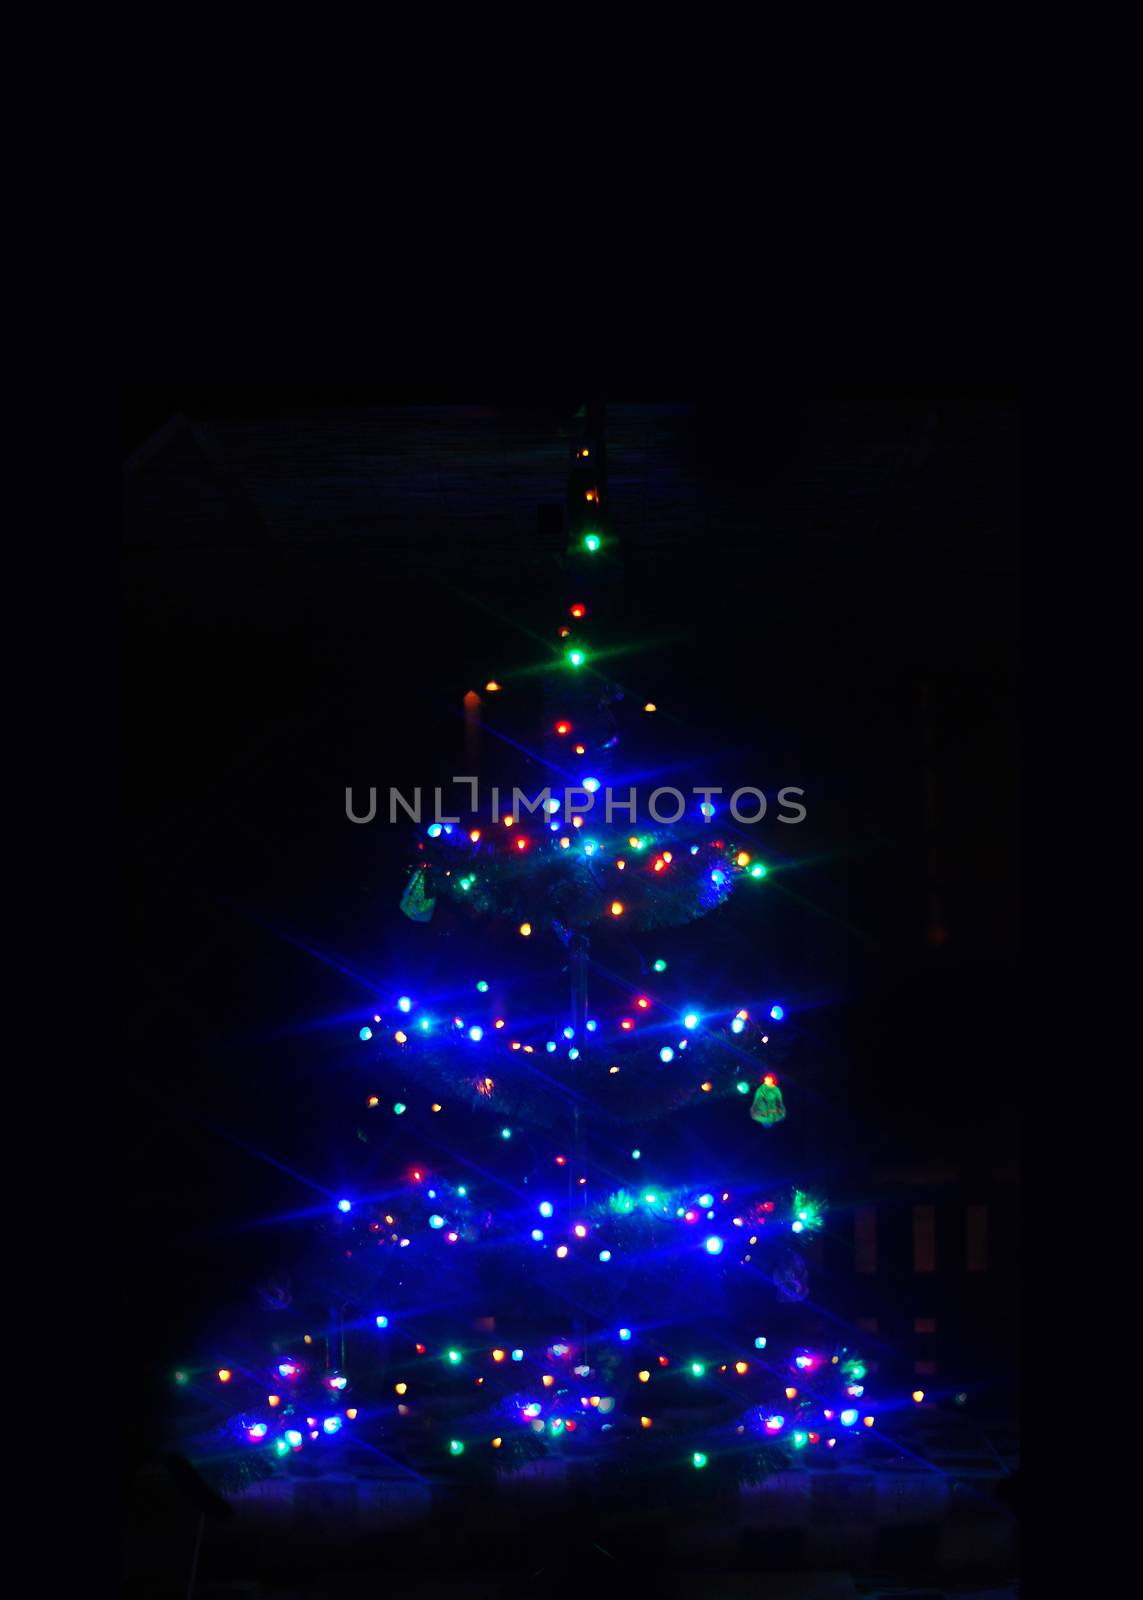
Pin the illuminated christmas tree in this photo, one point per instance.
(537, 1255)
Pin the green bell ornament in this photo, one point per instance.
(416, 902)
(767, 1107)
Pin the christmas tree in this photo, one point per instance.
(537, 1255)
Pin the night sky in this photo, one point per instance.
(823, 585)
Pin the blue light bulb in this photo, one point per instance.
(777, 1012)
(345, 1205)
(545, 1208)
(366, 1033)
(714, 1245)
(404, 1003)
(476, 1033)
(625, 1334)
(436, 1220)
(666, 1053)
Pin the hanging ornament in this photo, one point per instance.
(275, 1294)
(416, 902)
(792, 1277)
(767, 1107)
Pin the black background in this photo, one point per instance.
(312, 579)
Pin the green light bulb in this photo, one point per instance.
(455, 1447)
(591, 542)
(660, 966)
(758, 870)
(699, 1459)
(697, 1368)
(575, 658)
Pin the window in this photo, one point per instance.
(865, 1239)
(924, 1239)
(976, 1238)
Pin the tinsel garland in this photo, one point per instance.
(578, 878)
(623, 1079)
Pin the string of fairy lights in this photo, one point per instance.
(435, 1399)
